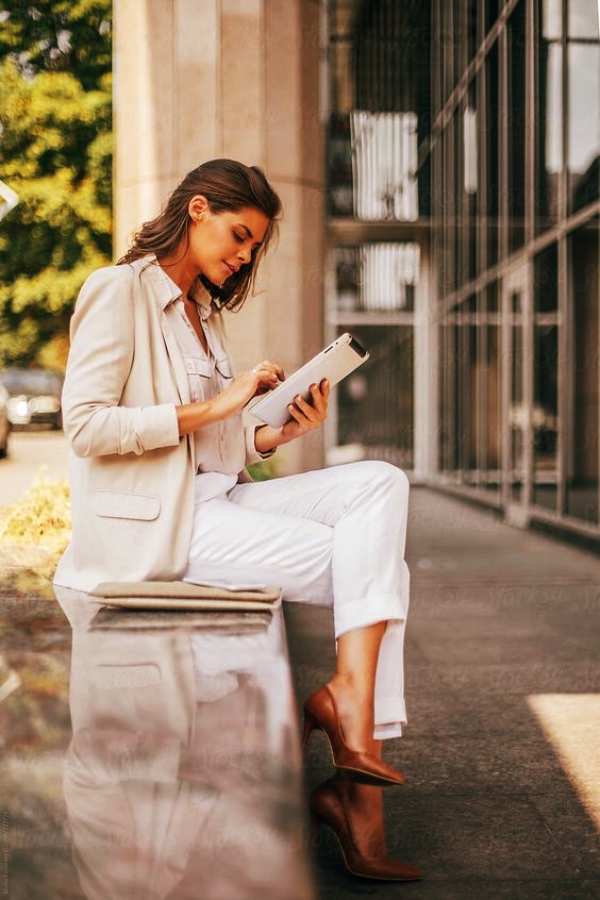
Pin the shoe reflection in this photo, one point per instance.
(182, 778)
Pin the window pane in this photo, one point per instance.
(492, 118)
(583, 19)
(516, 127)
(457, 178)
(492, 407)
(379, 92)
(473, 14)
(549, 135)
(584, 123)
(546, 280)
(491, 12)
(375, 403)
(551, 19)
(582, 489)
(447, 378)
(339, 167)
(517, 408)
(347, 275)
(471, 178)
(378, 277)
(545, 414)
(492, 297)
(384, 153)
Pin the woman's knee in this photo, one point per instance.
(377, 473)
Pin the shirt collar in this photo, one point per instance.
(201, 298)
(198, 293)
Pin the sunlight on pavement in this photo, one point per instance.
(571, 722)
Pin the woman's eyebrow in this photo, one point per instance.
(246, 229)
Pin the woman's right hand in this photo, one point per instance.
(262, 378)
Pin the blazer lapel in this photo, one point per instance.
(165, 292)
(179, 370)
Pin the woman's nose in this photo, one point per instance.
(245, 254)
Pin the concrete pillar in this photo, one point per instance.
(236, 78)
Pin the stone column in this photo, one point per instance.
(235, 78)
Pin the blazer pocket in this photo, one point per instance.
(122, 677)
(115, 505)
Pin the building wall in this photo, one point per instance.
(239, 79)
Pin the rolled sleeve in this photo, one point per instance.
(252, 454)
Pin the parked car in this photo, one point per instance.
(4, 422)
(34, 396)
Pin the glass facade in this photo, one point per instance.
(515, 153)
(464, 166)
(378, 196)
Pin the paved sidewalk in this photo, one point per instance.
(502, 750)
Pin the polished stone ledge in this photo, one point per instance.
(146, 754)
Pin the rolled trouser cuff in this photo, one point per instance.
(390, 715)
(367, 611)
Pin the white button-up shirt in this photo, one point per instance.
(221, 446)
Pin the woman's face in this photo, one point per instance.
(219, 243)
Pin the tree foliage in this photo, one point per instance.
(56, 153)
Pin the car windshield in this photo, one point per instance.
(31, 381)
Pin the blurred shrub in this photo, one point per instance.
(263, 470)
(41, 518)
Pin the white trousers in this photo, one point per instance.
(333, 537)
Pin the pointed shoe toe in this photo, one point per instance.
(368, 769)
(320, 711)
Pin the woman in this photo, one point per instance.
(153, 416)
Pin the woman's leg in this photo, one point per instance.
(353, 684)
(366, 505)
(333, 537)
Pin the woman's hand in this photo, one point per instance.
(306, 416)
(263, 377)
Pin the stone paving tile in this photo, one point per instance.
(435, 711)
(543, 677)
(560, 810)
(487, 836)
(497, 762)
(487, 811)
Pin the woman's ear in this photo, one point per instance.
(197, 206)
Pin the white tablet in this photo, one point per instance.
(334, 362)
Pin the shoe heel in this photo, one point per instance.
(309, 723)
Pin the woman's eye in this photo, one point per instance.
(239, 238)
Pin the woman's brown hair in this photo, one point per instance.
(227, 185)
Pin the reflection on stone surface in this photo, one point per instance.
(35, 643)
(182, 776)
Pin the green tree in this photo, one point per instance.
(56, 153)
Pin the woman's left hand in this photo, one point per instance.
(306, 416)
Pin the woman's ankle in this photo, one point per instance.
(355, 713)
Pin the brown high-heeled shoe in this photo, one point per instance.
(320, 711)
(327, 808)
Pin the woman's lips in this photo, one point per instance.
(232, 269)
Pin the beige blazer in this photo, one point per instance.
(131, 475)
